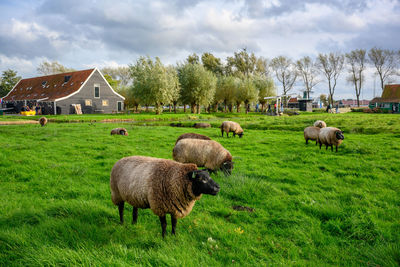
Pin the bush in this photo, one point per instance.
(358, 109)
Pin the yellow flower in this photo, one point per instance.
(239, 230)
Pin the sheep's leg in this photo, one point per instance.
(336, 148)
(173, 222)
(222, 132)
(121, 211)
(320, 145)
(134, 215)
(326, 147)
(306, 141)
(332, 148)
(163, 221)
(316, 142)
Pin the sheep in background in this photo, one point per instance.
(320, 124)
(120, 131)
(201, 125)
(192, 136)
(165, 186)
(231, 126)
(43, 121)
(204, 153)
(311, 133)
(330, 136)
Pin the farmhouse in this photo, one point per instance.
(390, 99)
(85, 91)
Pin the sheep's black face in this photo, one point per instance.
(339, 135)
(227, 167)
(202, 183)
(240, 135)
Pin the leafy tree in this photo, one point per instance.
(197, 85)
(241, 64)
(356, 60)
(113, 83)
(121, 74)
(265, 87)
(48, 68)
(308, 71)
(151, 83)
(285, 73)
(8, 80)
(331, 65)
(173, 81)
(385, 62)
(323, 98)
(212, 63)
(193, 59)
(246, 92)
(225, 91)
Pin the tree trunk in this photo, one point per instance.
(198, 109)
(157, 109)
(184, 108)
(230, 107)
(175, 108)
(238, 107)
(170, 108)
(358, 100)
(225, 106)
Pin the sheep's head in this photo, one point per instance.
(240, 135)
(202, 183)
(227, 167)
(339, 135)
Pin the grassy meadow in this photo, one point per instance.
(311, 207)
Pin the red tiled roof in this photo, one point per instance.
(49, 87)
(293, 100)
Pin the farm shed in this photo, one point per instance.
(390, 99)
(63, 93)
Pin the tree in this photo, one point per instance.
(121, 74)
(8, 80)
(48, 68)
(356, 60)
(225, 92)
(151, 83)
(197, 85)
(331, 66)
(385, 62)
(308, 71)
(246, 92)
(323, 99)
(285, 73)
(265, 87)
(193, 59)
(173, 81)
(113, 83)
(241, 64)
(212, 63)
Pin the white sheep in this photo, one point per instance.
(120, 131)
(330, 136)
(311, 133)
(165, 186)
(320, 124)
(231, 126)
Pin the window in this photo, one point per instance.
(44, 83)
(88, 102)
(67, 78)
(105, 102)
(119, 106)
(97, 90)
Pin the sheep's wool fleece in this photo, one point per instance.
(159, 184)
(327, 136)
(43, 121)
(192, 136)
(231, 126)
(118, 130)
(203, 153)
(311, 133)
(320, 124)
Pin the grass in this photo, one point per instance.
(311, 207)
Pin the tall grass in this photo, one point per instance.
(311, 207)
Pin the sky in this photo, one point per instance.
(102, 33)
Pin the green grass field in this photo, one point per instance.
(311, 207)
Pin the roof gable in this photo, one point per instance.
(49, 87)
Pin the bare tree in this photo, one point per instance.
(385, 62)
(356, 60)
(332, 66)
(48, 68)
(285, 72)
(308, 71)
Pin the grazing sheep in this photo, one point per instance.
(165, 186)
(192, 136)
(311, 133)
(204, 153)
(43, 121)
(202, 125)
(231, 126)
(320, 124)
(330, 136)
(120, 131)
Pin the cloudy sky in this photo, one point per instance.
(98, 33)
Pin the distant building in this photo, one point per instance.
(352, 103)
(293, 103)
(390, 99)
(62, 93)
